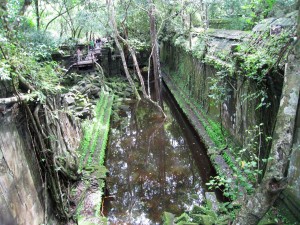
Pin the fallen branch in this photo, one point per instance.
(21, 97)
(113, 26)
(23, 81)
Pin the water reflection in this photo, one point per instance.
(153, 165)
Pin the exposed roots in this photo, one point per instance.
(47, 133)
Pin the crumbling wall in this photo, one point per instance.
(236, 112)
(21, 198)
(216, 53)
(24, 190)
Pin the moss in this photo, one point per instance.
(105, 135)
(94, 143)
(168, 218)
(204, 215)
(212, 127)
(184, 217)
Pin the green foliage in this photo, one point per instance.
(256, 60)
(226, 185)
(40, 44)
(199, 48)
(43, 76)
(5, 70)
(258, 9)
(244, 14)
(168, 218)
(231, 23)
(218, 88)
(138, 44)
(274, 216)
(204, 215)
(17, 61)
(246, 168)
(180, 41)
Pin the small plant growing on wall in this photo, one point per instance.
(246, 166)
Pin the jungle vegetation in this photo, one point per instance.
(32, 30)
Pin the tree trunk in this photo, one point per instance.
(190, 30)
(37, 14)
(204, 14)
(136, 65)
(155, 54)
(138, 71)
(275, 180)
(70, 22)
(3, 14)
(116, 35)
(25, 6)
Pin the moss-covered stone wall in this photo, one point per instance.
(190, 74)
(239, 88)
(237, 113)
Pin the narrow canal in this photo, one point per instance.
(154, 165)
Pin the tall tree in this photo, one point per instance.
(118, 37)
(11, 22)
(3, 14)
(114, 27)
(275, 179)
(155, 53)
(37, 14)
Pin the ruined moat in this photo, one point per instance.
(83, 140)
(155, 165)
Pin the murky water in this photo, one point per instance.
(155, 165)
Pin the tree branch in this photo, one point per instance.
(59, 14)
(14, 99)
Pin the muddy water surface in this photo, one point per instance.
(154, 165)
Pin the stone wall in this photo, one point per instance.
(21, 198)
(24, 194)
(289, 200)
(238, 113)
(193, 73)
(213, 53)
(294, 170)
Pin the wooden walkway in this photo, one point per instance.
(89, 59)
